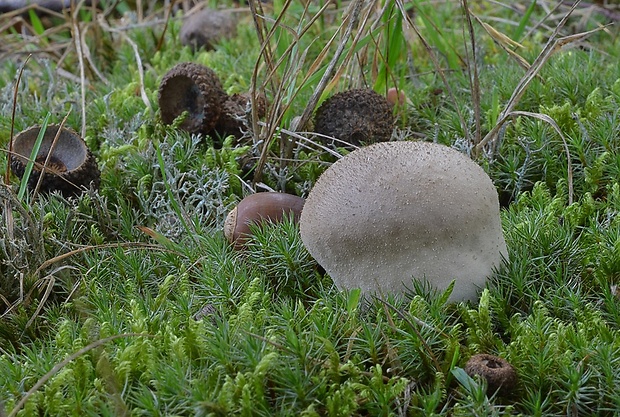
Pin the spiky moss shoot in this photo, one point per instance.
(357, 117)
(71, 167)
(193, 88)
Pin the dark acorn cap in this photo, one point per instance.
(499, 373)
(207, 27)
(358, 117)
(194, 88)
(233, 121)
(71, 167)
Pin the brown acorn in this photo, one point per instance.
(256, 208)
(499, 373)
(71, 168)
(193, 88)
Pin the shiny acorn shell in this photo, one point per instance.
(257, 207)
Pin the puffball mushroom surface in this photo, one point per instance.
(392, 212)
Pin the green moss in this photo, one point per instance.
(208, 330)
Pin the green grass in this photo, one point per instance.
(129, 301)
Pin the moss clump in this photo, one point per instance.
(357, 117)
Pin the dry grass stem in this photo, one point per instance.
(437, 66)
(45, 165)
(553, 45)
(472, 68)
(140, 68)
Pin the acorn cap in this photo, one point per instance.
(193, 88)
(498, 372)
(393, 211)
(232, 120)
(207, 27)
(358, 117)
(71, 168)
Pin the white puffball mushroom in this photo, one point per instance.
(395, 211)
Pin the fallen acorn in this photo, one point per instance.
(354, 117)
(70, 168)
(500, 375)
(255, 208)
(196, 89)
(396, 97)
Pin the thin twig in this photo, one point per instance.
(437, 66)
(77, 39)
(353, 16)
(553, 45)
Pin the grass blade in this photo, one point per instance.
(33, 156)
(524, 20)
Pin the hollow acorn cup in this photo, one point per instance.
(71, 168)
(498, 372)
(193, 88)
(255, 208)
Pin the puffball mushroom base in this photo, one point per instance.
(395, 211)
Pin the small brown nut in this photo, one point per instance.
(258, 207)
(396, 97)
(498, 372)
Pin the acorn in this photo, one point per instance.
(193, 88)
(396, 97)
(357, 117)
(70, 169)
(499, 373)
(256, 208)
(233, 119)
